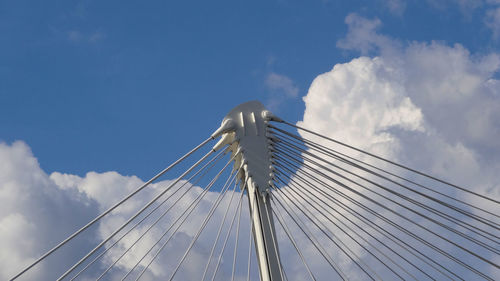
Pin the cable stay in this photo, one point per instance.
(408, 219)
(212, 162)
(359, 216)
(431, 209)
(317, 209)
(98, 218)
(395, 164)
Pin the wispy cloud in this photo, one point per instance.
(396, 7)
(282, 84)
(492, 21)
(77, 36)
(281, 88)
(362, 36)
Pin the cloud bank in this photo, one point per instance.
(413, 98)
(430, 105)
(40, 210)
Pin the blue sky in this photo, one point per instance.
(118, 85)
(98, 96)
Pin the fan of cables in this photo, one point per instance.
(340, 213)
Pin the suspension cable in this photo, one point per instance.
(428, 208)
(328, 218)
(134, 216)
(227, 238)
(458, 261)
(393, 163)
(480, 243)
(471, 215)
(312, 238)
(183, 220)
(294, 186)
(219, 232)
(207, 218)
(369, 222)
(250, 246)
(342, 157)
(213, 161)
(322, 228)
(277, 214)
(236, 240)
(275, 247)
(110, 209)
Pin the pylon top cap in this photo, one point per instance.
(245, 127)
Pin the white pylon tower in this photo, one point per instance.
(245, 129)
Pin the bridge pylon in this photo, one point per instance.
(245, 129)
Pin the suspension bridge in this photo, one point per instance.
(314, 208)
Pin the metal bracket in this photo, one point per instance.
(245, 128)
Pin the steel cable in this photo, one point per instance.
(369, 222)
(448, 217)
(393, 163)
(458, 261)
(217, 201)
(322, 228)
(226, 239)
(342, 157)
(292, 240)
(345, 232)
(213, 161)
(219, 231)
(133, 217)
(480, 243)
(313, 240)
(110, 209)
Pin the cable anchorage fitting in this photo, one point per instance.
(246, 127)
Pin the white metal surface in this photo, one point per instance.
(244, 128)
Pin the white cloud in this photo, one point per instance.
(38, 211)
(431, 90)
(466, 6)
(26, 230)
(431, 106)
(492, 21)
(489, 10)
(282, 83)
(78, 36)
(74, 35)
(360, 103)
(362, 36)
(281, 88)
(96, 36)
(34, 213)
(397, 7)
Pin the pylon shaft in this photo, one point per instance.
(264, 234)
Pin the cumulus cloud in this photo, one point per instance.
(432, 91)
(40, 210)
(429, 105)
(34, 213)
(432, 106)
